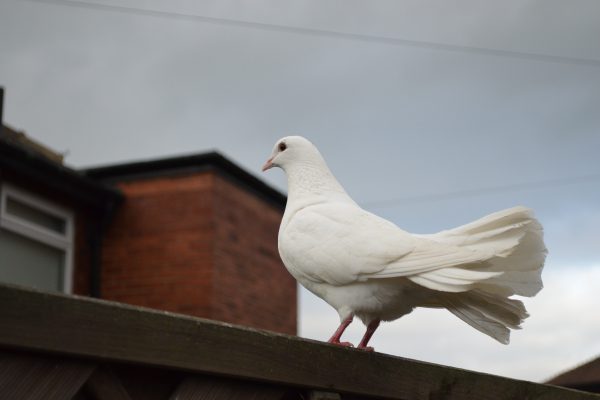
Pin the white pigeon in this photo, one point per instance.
(366, 267)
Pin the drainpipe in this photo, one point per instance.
(1, 105)
(96, 237)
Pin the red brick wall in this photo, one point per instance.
(158, 249)
(251, 285)
(200, 245)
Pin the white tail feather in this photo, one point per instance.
(513, 240)
(489, 314)
(477, 293)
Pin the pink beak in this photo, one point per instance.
(268, 164)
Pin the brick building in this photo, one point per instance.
(197, 235)
(194, 234)
(51, 219)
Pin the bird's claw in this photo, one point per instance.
(366, 348)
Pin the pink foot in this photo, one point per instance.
(371, 328)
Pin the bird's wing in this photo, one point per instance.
(336, 243)
(439, 266)
(339, 243)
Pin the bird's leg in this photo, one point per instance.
(335, 339)
(371, 328)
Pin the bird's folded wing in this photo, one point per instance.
(340, 243)
(428, 256)
(439, 266)
(337, 243)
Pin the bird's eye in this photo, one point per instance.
(282, 146)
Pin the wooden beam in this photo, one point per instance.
(104, 385)
(205, 388)
(101, 330)
(38, 377)
(319, 395)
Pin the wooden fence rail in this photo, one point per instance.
(54, 346)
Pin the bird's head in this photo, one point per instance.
(290, 150)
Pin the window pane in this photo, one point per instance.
(27, 262)
(32, 214)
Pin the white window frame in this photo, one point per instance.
(62, 241)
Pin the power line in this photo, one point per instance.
(328, 33)
(482, 191)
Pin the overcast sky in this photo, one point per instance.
(431, 114)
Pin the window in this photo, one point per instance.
(36, 241)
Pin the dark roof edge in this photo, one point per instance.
(572, 375)
(188, 163)
(57, 176)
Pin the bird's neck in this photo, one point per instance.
(313, 181)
